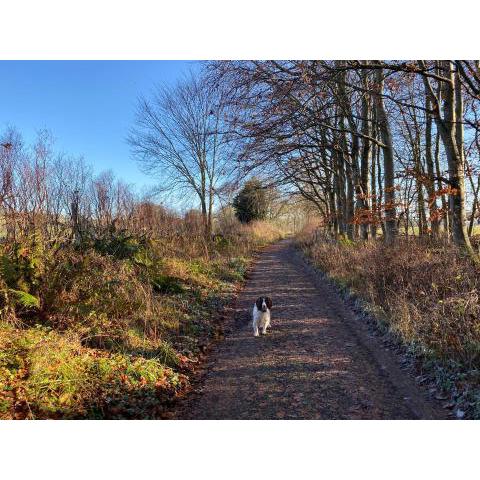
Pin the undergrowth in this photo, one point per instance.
(112, 327)
(425, 294)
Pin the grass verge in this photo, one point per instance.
(112, 332)
(426, 296)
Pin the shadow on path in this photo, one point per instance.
(313, 364)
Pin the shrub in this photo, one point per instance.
(107, 326)
(47, 375)
(429, 293)
(251, 203)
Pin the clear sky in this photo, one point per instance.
(88, 106)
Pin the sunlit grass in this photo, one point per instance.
(115, 328)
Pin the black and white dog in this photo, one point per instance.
(261, 315)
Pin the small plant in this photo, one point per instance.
(23, 299)
(167, 284)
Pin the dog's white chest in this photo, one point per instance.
(264, 318)
(261, 318)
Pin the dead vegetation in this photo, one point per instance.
(107, 299)
(425, 293)
(93, 332)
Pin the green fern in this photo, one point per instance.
(24, 299)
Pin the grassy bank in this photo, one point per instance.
(112, 327)
(426, 296)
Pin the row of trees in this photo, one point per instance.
(372, 144)
(50, 198)
(375, 146)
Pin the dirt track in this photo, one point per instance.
(317, 362)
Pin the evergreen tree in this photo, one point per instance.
(251, 202)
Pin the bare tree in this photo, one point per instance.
(388, 164)
(449, 121)
(180, 137)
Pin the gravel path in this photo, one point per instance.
(317, 362)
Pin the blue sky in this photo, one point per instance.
(88, 106)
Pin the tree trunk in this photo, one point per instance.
(446, 217)
(388, 163)
(380, 191)
(430, 183)
(373, 182)
(422, 217)
(476, 191)
(451, 131)
(339, 183)
(365, 168)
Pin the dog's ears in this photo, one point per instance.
(268, 301)
(259, 302)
